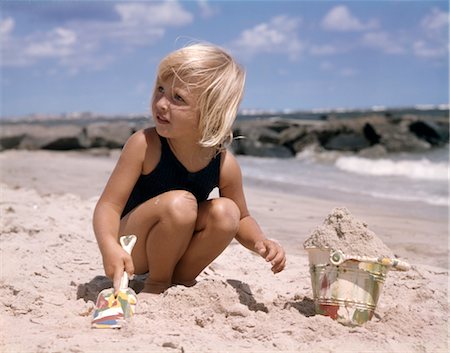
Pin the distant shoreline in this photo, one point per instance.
(437, 111)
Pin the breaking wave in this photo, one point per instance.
(422, 169)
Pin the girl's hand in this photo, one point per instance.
(272, 252)
(115, 261)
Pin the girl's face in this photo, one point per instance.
(174, 110)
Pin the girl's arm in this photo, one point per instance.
(106, 220)
(250, 234)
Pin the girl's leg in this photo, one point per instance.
(217, 224)
(164, 226)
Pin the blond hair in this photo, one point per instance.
(218, 78)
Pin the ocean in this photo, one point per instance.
(404, 177)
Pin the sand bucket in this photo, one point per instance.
(347, 288)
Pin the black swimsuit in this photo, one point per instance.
(170, 174)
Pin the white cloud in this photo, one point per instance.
(436, 20)
(279, 35)
(59, 42)
(382, 41)
(206, 9)
(339, 18)
(326, 66)
(428, 51)
(348, 72)
(325, 49)
(6, 26)
(168, 13)
(81, 45)
(433, 44)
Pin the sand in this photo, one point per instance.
(342, 231)
(51, 273)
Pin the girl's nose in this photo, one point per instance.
(162, 103)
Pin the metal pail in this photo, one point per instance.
(348, 292)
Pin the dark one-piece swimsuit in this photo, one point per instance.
(169, 174)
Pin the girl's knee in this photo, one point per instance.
(179, 206)
(225, 215)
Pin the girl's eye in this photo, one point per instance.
(178, 98)
(160, 89)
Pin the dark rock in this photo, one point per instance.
(65, 143)
(370, 134)
(430, 132)
(277, 124)
(11, 136)
(250, 147)
(347, 142)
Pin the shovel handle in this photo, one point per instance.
(338, 257)
(127, 242)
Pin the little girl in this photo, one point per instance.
(160, 186)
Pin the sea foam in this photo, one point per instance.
(423, 168)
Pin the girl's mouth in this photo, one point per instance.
(162, 120)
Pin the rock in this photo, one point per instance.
(278, 124)
(396, 137)
(430, 132)
(370, 134)
(375, 151)
(110, 135)
(347, 142)
(292, 134)
(279, 137)
(305, 142)
(58, 137)
(11, 136)
(250, 147)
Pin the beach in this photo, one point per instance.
(51, 271)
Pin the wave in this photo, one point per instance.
(431, 200)
(415, 169)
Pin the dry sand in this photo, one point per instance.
(342, 231)
(51, 273)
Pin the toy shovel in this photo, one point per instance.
(111, 310)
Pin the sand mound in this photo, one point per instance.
(342, 231)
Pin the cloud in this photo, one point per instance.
(325, 49)
(168, 13)
(426, 50)
(436, 20)
(206, 10)
(326, 66)
(6, 26)
(348, 72)
(278, 36)
(339, 18)
(382, 41)
(59, 42)
(433, 44)
(80, 44)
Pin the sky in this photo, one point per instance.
(101, 56)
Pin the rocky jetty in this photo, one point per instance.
(371, 135)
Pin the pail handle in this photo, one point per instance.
(338, 257)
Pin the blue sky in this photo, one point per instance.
(101, 56)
